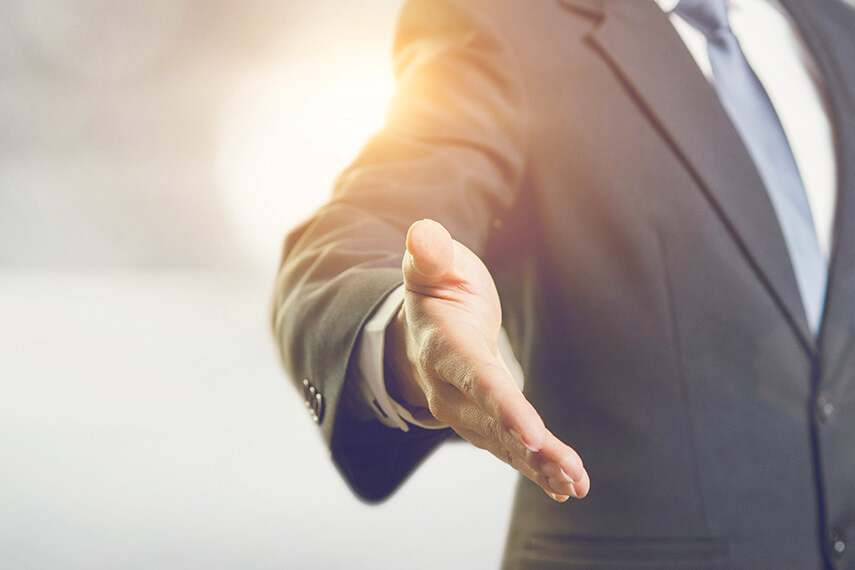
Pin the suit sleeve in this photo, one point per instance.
(452, 149)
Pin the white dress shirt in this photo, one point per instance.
(780, 59)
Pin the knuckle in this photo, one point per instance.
(545, 483)
(495, 432)
(508, 457)
(467, 382)
(532, 473)
(508, 440)
(438, 407)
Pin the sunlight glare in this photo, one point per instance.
(288, 131)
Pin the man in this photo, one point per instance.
(651, 190)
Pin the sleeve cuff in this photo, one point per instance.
(371, 378)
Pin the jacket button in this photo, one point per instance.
(838, 545)
(824, 407)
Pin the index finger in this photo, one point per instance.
(484, 379)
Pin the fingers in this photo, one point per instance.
(496, 392)
(430, 251)
(484, 379)
(539, 469)
(563, 469)
(549, 468)
(566, 462)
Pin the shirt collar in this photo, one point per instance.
(667, 5)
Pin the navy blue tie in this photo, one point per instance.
(754, 116)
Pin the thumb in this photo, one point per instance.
(430, 252)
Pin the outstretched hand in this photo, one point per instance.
(442, 354)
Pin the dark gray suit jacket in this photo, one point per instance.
(647, 289)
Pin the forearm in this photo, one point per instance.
(450, 151)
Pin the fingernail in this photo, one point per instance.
(559, 498)
(571, 467)
(580, 478)
(566, 486)
(516, 435)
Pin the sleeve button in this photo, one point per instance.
(318, 408)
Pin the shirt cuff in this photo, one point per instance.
(371, 378)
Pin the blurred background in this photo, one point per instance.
(152, 156)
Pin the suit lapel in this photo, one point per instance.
(828, 36)
(641, 45)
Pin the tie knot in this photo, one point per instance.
(707, 16)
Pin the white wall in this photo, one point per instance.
(153, 154)
(144, 423)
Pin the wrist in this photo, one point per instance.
(399, 371)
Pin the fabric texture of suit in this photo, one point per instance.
(645, 284)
